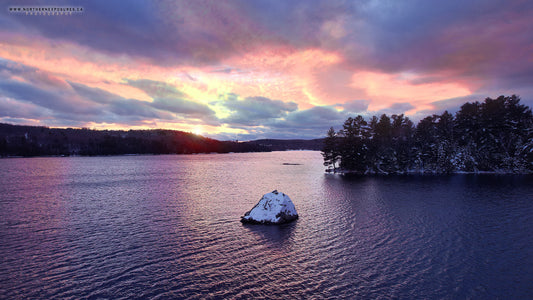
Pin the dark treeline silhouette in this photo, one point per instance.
(283, 145)
(493, 136)
(43, 141)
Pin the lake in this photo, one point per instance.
(169, 227)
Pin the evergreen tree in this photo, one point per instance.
(330, 152)
(468, 132)
(403, 143)
(353, 148)
(385, 156)
(427, 144)
(445, 143)
(516, 134)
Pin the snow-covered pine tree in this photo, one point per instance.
(330, 152)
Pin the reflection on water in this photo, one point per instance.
(276, 236)
(169, 226)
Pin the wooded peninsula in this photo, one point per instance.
(493, 136)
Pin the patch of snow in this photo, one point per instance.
(273, 208)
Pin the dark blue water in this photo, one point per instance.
(168, 227)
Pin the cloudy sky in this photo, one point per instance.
(258, 69)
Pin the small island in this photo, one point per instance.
(273, 208)
(495, 136)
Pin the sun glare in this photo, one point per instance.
(197, 130)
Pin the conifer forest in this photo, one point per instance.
(492, 136)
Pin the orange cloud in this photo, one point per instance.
(385, 89)
(282, 73)
(308, 77)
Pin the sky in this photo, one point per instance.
(251, 69)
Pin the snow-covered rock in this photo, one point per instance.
(273, 208)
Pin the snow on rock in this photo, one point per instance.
(273, 208)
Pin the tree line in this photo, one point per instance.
(18, 140)
(492, 136)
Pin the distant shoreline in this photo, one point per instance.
(39, 141)
(156, 154)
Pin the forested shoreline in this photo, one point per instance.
(28, 141)
(31, 141)
(492, 136)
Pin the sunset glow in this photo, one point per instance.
(232, 70)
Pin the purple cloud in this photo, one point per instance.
(355, 106)
(309, 123)
(396, 108)
(69, 102)
(255, 111)
(168, 98)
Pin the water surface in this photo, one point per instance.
(168, 227)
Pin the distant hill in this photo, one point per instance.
(17, 140)
(283, 145)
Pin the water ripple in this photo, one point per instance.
(164, 227)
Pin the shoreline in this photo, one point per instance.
(417, 173)
(148, 154)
